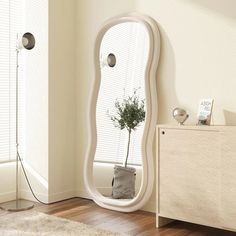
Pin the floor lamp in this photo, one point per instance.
(27, 41)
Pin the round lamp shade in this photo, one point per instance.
(111, 60)
(27, 41)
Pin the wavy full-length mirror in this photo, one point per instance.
(119, 170)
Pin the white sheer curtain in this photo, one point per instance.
(11, 22)
(129, 42)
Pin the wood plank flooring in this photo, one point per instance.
(139, 223)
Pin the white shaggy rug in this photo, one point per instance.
(32, 223)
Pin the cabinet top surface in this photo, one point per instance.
(197, 127)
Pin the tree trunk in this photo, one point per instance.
(127, 155)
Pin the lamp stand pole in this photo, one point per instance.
(17, 204)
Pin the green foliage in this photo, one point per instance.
(130, 113)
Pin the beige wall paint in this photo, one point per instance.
(197, 61)
(62, 100)
(197, 56)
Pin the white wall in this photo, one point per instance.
(62, 123)
(50, 149)
(7, 183)
(36, 87)
(197, 58)
(36, 97)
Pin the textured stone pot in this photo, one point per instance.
(123, 183)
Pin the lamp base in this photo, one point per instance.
(17, 205)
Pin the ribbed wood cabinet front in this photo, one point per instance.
(193, 184)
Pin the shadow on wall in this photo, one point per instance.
(224, 7)
(166, 92)
(230, 117)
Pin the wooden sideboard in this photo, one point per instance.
(196, 175)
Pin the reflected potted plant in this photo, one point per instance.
(130, 113)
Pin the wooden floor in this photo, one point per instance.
(136, 223)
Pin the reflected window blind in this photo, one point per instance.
(130, 44)
(11, 21)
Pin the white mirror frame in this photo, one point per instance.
(146, 187)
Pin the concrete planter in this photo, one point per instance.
(123, 184)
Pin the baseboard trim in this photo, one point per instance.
(8, 196)
(34, 174)
(55, 197)
(27, 195)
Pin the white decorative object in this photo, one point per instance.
(204, 111)
(180, 115)
(149, 127)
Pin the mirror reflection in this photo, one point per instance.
(120, 110)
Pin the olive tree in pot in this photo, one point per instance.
(129, 114)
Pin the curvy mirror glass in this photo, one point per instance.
(119, 169)
(123, 58)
